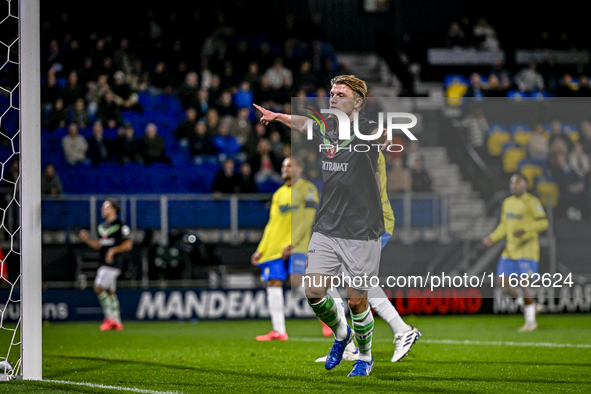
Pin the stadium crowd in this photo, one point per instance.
(100, 92)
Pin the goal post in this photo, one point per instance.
(30, 155)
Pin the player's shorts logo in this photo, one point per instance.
(331, 151)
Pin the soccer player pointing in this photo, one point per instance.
(114, 240)
(349, 224)
(522, 219)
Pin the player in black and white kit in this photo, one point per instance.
(349, 224)
(113, 241)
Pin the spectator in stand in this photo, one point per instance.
(557, 134)
(224, 105)
(584, 87)
(244, 98)
(567, 87)
(412, 155)
(571, 187)
(122, 58)
(160, 80)
(494, 87)
(50, 181)
(579, 161)
(126, 145)
(201, 103)
(476, 127)
(214, 88)
(399, 178)
(305, 79)
(58, 116)
(152, 146)
(485, 35)
(96, 91)
(312, 165)
(74, 146)
(49, 92)
(224, 143)
(73, 90)
(529, 79)
(455, 36)
(226, 180)
(252, 141)
(476, 88)
(265, 164)
(99, 150)
(247, 182)
(109, 112)
(253, 76)
(538, 146)
(186, 128)
(123, 95)
(421, 181)
(278, 75)
(88, 73)
(585, 136)
(212, 122)
(200, 143)
(241, 127)
(187, 92)
(79, 114)
(276, 144)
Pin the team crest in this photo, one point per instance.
(331, 151)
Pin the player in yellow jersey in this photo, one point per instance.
(404, 335)
(276, 246)
(522, 219)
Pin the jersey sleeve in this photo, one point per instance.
(125, 232)
(266, 234)
(501, 231)
(540, 222)
(366, 128)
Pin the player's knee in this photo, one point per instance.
(274, 283)
(314, 294)
(358, 305)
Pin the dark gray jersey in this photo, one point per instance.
(350, 204)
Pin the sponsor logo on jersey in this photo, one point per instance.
(331, 166)
(511, 215)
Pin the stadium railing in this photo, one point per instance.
(211, 211)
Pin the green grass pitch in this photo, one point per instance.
(461, 354)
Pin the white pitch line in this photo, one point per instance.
(102, 386)
(466, 342)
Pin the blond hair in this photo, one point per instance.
(357, 85)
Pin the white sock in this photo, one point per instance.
(115, 309)
(340, 305)
(529, 312)
(386, 311)
(275, 301)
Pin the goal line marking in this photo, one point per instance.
(102, 386)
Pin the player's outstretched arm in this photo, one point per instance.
(90, 242)
(292, 121)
